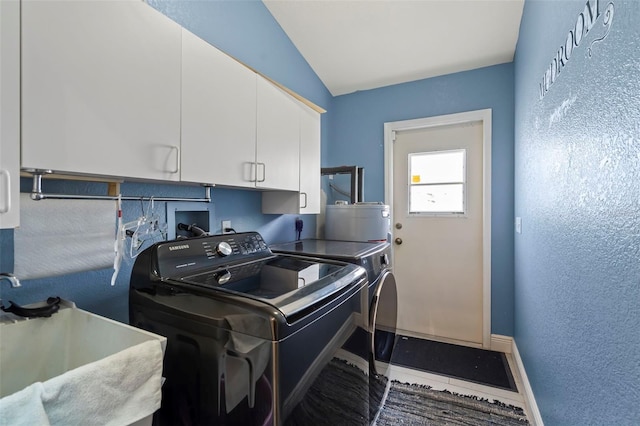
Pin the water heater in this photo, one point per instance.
(357, 222)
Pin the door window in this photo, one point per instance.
(437, 182)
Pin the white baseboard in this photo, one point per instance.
(527, 391)
(500, 343)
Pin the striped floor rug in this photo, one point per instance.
(419, 405)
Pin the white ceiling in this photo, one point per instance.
(363, 44)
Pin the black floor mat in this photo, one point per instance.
(475, 365)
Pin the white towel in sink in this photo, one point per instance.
(117, 390)
(24, 408)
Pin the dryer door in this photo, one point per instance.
(384, 313)
(384, 310)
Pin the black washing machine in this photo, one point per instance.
(380, 335)
(252, 336)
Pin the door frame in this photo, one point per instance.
(484, 116)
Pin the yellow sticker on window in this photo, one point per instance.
(415, 179)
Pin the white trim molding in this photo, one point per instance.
(500, 343)
(484, 116)
(527, 392)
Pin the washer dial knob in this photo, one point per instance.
(224, 249)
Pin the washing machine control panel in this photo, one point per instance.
(185, 256)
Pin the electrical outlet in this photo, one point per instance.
(226, 224)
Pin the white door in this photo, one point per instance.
(438, 230)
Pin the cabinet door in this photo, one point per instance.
(100, 89)
(309, 161)
(278, 136)
(308, 200)
(218, 116)
(9, 113)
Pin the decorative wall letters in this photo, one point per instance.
(584, 23)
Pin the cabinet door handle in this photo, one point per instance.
(305, 200)
(177, 168)
(7, 179)
(264, 172)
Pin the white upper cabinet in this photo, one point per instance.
(115, 88)
(100, 89)
(309, 161)
(9, 113)
(278, 139)
(218, 116)
(308, 199)
(238, 129)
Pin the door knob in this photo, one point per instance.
(398, 241)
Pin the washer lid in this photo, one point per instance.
(287, 283)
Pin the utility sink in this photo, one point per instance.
(39, 349)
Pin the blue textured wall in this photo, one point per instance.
(356, 138)
(577, 169)
(245, 30)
